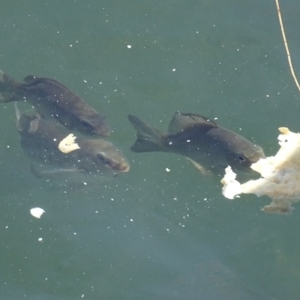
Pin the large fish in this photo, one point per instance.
(209, 146)
(40, 139)
(52, 99)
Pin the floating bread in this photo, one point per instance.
(68, 144)
(280, 176)
(37, 212)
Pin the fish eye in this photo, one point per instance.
(102, 158)
(241, 158)
(85, 123)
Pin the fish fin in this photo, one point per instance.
(29, 79)
(18, 116)
(41, 171)
(148, 139)
(199, 167)
(8, 89)
(69, 178)
(181, 121)
(23, 122)
(26, 123)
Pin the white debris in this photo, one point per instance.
(280, 176)
(37, 212)
(68, 144)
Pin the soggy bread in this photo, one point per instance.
(280, 176)
(68, 144)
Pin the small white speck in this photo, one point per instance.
(6, 227)
(54, 140)
(168, 170)
(173, 70)
(71, 46)
(267, 96)
(129, 46)
(215, 118)
(82, 296)
(8, 146)
(112, 199)
(85, 81)
(168, 229)
(40, 239)
(84, 183)
(75, 233)
(188, 141)
(131, 220)
(170, 143)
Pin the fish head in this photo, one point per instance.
(95, 125)
(101, 155)
(242, 156)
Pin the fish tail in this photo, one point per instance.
(9, 89)
(148, 139)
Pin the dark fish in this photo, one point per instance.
(52, 99)
(40, 139)
(210, 147)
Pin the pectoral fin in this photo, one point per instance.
(199, 167)
(42, 171)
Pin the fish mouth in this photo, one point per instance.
(103, 131)
(121, 167)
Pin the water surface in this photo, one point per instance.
(150, 234)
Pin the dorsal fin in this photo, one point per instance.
(182, 121)
(29, 79)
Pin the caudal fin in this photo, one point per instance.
(148, 139)
(9, 89)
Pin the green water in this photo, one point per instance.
(151, 234)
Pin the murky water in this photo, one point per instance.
(150, 234)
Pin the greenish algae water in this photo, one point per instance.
(151, 234)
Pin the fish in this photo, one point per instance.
(52, 99)
(210, 147)
(40, 137)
